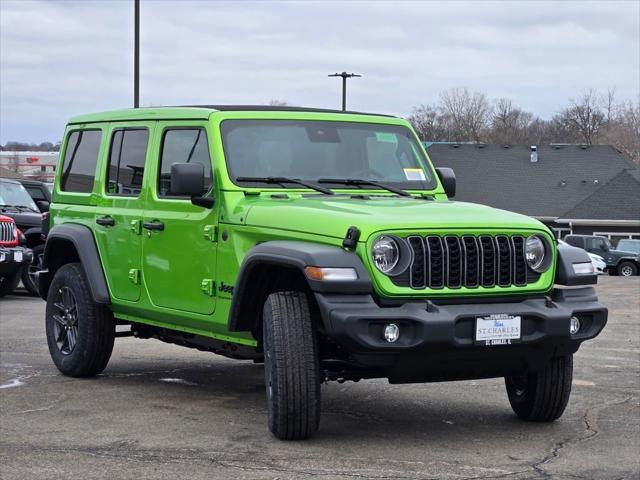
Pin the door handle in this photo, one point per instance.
(106, 221)
(159, 226)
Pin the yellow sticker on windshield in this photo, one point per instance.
(414, 174)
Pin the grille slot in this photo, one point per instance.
(466, 261)
(436, 254)
(6, 232)
(454, 262)
(418, 270)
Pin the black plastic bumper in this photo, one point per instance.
(438, 341)
(12, 258)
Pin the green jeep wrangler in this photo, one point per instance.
(321, 243)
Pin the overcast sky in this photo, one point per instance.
(59, 59)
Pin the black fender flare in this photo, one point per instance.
(82, 239)
(296, 255)
(565, 274)
(627, 259)
(34, 231)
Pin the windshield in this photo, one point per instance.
(629, 245)
(15, 194)
(312, 150)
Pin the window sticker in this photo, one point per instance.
(415, 174)
(386, 137)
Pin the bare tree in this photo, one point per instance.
(608, 104)
(428, 124)
(468, 113)
(623, 132)
(584, 117)
(509, 123)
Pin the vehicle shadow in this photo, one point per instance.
(350, 411)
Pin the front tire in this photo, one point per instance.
(292, 373)
(542, 396)
(80, 333)
(29, 272)
(9, 282)
(627, 269)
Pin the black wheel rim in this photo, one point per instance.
(518, 384)
(65, 327)
(35, 266)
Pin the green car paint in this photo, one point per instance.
(182, 278)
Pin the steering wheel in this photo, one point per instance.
(365, 171)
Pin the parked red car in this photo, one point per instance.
(13, 257)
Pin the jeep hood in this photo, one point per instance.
(332, 216)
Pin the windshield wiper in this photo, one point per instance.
(296, 181)
(360, 182)
(18, 207)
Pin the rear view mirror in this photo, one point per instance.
(448, 179)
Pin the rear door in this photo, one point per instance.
(179, 241)
(118, 216)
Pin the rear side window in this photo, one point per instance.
(595, 243)
(80, 158)
(183, 145)
(574, 241)
(126, 161)
(36, 194)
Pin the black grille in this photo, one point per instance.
(466, 261)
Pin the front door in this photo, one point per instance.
(119, 211)
(179, 238)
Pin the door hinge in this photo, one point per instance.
(134, 276)
(136, 226)
(210, 232)
(208, 286)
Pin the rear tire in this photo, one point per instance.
(28, 273)
(627, 269)
(542, 396)
(9, 282)
(80, 333)
(292, 373)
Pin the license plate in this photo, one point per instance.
(17, 257)
(499, 329)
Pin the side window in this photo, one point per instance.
(126, 161)
(36, 194)
(80, 158)
(183, 145)
(595, 244)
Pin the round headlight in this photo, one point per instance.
(385, 253)
(535, 253)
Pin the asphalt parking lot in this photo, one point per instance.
(161, 411)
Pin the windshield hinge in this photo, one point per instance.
(210, 232)
(351, 237)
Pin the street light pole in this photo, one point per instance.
(136, 54)
(344, 76)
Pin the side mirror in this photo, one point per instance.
(448, 179)
(187, 180)
(42, 205)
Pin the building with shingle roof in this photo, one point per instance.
(571, 188)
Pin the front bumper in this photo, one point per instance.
(12, 258)
(437, 341)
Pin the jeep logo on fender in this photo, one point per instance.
(225, 288)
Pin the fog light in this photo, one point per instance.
(391, 332)
(574, 325)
